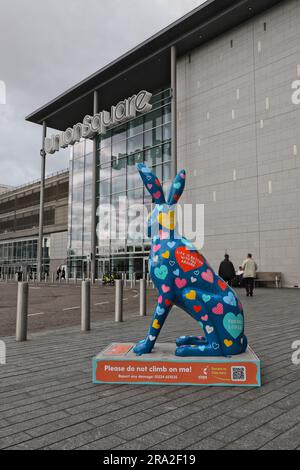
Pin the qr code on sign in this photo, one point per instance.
(238, 374)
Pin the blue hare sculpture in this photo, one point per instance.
(183, 277)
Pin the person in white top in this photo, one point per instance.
(239, 276)
(249, 267)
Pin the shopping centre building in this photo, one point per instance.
(19, 223)
(216, 93)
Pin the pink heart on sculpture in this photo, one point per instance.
(164, 235)
(208, 276)
(156, 248)
(182, 175)
(149, 186)
(160, 299)
(157, 195)
(204, 318)
(218, 310)
(180, 283)
(165, 288)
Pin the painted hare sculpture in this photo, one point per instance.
(183, 277)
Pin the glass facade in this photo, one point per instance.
(21, 255)
(146, 138)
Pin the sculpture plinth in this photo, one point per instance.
(119, 364)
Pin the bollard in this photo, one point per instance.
(52, 278)
(22, 311)
(119, 301)
(85, 305)
(143, 300)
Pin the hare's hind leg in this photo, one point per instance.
(191, 340)
(210, 345)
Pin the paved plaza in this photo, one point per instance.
(48, 401)
(58, 305)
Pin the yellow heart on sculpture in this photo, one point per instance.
(191, 295)
(156, 325)
(166, 255)
(167, 220)
(228, 343)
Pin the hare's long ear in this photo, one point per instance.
(176, 188)
(152, 183)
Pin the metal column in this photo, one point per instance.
(94, 195)
(41, 216)
(174, 109)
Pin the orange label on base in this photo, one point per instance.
(244, 373)
(118, 349)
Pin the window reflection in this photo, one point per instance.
(143, 139)
(153, 119)
(104, 173)
(118, 184)
(153, 156)
(105, 155)
(119, 149)
(135, 144)
(135, 127)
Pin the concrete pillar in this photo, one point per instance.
(118, 300)
(22, 311)
(143, 297)
(85, 305)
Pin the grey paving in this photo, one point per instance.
(47, 399)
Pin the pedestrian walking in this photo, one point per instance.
(250, 268)
(58, 273)
(63, 274)
(226, 270)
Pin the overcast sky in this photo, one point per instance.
(47, 46)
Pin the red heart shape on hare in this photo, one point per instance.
(197, 308)
(168, 302)
(223, 285)
(188, 260)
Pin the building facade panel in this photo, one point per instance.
(239, 140)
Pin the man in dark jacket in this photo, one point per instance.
(227, 271)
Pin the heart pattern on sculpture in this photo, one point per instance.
(191, 295)
(161, 272)
(188, 260)
(230, 299)
(208, 276)
(234, 324)
(180, 283)
(184, 278)
(218, 310)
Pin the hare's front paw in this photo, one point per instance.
(143, 347)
